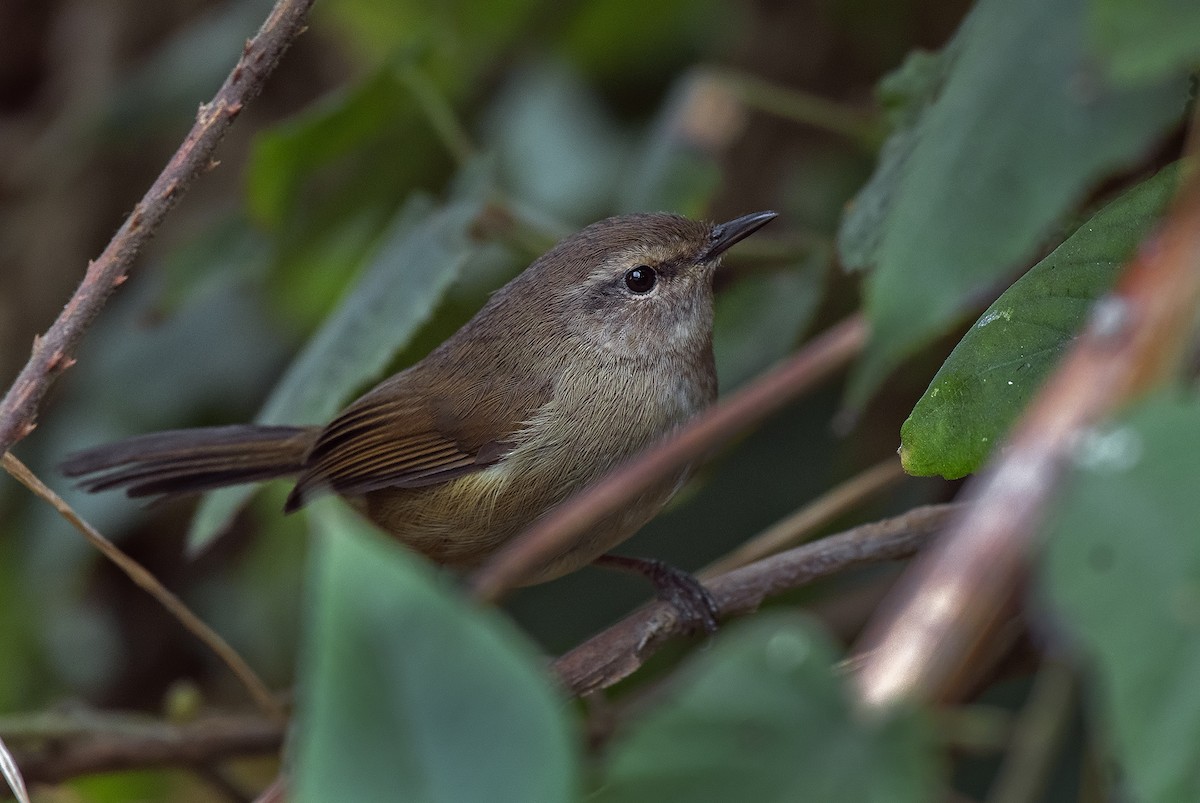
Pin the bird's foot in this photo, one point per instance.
(695, 605)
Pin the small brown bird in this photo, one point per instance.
(595, 351)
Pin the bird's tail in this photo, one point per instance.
(191, 460)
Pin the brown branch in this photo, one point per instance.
(140, 576)
(54, 351)
(808, 519)
(730, 417)
(51, 748)
(943, 619)
(617, 652)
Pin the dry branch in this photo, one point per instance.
(142, 577)
(617, 652)
(54, 351)
(728, 418)
(797, 527)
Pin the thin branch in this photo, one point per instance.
(617, 652)
(51, 748)
(862, 127)
(728, 418)
(139, 575)
(54, 351)
(928, 641)
(440, 114)
(1037, 738)
(804, 522)
(12, 774)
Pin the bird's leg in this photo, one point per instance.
(674, 586)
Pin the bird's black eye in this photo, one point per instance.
(641, 279)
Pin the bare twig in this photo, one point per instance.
(54, 351)
(1037, 738)
(736, 414)
(617, 652)
(51, 748)
(860, 126)
(946, 612)
(12, 774)
(138, 574)
(805, 521)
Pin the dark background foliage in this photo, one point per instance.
(493, 128)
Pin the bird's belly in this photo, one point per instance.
(462, 522)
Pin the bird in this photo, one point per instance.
(599, 348)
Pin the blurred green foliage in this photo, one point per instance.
(761, 717)
(1122, 570)
(441, 702)
(1020, 127)
(410, 158)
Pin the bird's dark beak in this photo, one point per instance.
(724, 235)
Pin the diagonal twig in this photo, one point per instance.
(54, 351)
(802, 524)
(139, 575)
(728, 418)
(12, 774)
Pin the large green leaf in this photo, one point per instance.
(407, 692)
(1021, 128)
(1143, 39)
(328, 181)
(1002, 361)
(380, 107)
(1122, 568)
(905, 94)
(761, 717)
(420, 256)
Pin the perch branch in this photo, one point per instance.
(617, 652)
(54, 351)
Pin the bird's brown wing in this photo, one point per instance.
(395, 439)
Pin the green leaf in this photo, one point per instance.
(1002, 361)
(759, 320)
(1020, 130)
(328, 181)
(1122, 568)
(761, 717)
(905, 95)
(337, 126)
(407, 692)
(1143, 40)
(421, 254)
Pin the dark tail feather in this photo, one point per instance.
(191, 460)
